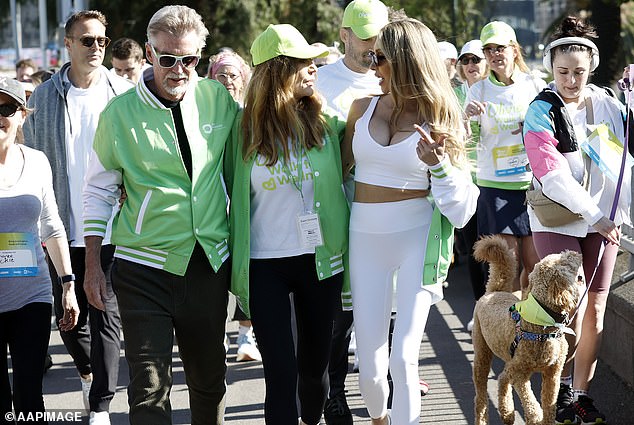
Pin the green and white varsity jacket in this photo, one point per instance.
(329, 202)
(165, 212)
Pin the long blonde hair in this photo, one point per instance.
(419, 74)
(272, 115)
(519, 57)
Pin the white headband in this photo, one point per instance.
(565, 41)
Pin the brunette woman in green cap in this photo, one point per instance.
(289, 221)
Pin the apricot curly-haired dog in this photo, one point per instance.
(502, 324)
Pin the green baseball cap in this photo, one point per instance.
(283, 40)
(497, 32)
(365, 18)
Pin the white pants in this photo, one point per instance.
(385, 238)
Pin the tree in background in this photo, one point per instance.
(606, 16)
(614, 22)
(236, 23)
(456, 21)
(231, 23)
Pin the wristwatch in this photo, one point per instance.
(67, 278)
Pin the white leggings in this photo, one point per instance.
(385, 238)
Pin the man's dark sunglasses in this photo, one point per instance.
(89, 41)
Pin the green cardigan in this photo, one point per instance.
(329, 202)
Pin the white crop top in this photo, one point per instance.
(396, 166)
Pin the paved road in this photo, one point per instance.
(445, 363)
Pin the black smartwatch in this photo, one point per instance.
(67, 278)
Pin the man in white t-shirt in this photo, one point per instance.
(62, 125)
(340, 83)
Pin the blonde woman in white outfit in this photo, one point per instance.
(406, 144)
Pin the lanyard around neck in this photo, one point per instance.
(298, 180)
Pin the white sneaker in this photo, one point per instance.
(470, 325)
(424, 387)
(355, 365)
(99, 418)
(352, 348)
(226, 343)
(86, 383)
(247, 350)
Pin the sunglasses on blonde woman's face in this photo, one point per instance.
(377, 60)
(8, 110)
(494, 49)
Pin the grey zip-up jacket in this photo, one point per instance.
(45, 129)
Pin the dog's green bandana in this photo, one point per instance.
(533, 312)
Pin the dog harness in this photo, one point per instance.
(537, 312)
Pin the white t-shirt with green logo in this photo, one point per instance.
(501, 157)
(276, 203)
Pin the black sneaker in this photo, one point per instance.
(336, 411)
(587, 413)
(565, 413)
(48, 362)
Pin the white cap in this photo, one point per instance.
(447, 50)
(473, 47)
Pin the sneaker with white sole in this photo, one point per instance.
(564, 413)
(355, 364)
(86, 383)
(586, 412)
(247, 349)
(99, 418)
(352, 347)
(424, 387)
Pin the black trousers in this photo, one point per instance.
(287, 374)
(156, 305)
(338, 366)
(95, 343)
(477, 270)
(26, 332)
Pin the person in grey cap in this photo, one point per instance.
(29, 217)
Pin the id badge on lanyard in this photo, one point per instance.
(309, 229)
(308, 224)
(17, 255)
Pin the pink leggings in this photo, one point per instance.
(551, 243)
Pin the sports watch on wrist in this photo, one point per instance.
(66, 278)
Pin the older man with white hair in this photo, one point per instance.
(164, 142)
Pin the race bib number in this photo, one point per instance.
(17, 255)
(510, 160)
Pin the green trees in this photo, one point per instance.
(232, 23)
(235, 23)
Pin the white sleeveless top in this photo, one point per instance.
(396, 166)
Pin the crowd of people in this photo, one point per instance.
(322, 190)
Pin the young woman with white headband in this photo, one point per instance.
(558, 130)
